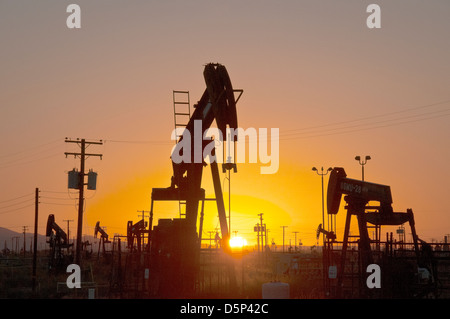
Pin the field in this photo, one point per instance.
(217, 275)
(108, 277)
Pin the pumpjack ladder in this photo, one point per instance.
(181, 116)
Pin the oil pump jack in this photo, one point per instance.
(104, 238)
(329, 234)
(58, 241)
(135, 233)
(358, 194)
(178, 238)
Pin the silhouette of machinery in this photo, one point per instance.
(175, 242)
(135, 235)
(331, 236)
(358, 194)
(104, 238)
(59, 257)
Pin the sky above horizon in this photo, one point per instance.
(333, 87)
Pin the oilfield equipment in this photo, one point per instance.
(330, 235)
(175, 242)
(136, 235)
(104, 239)
(59, 256)
(166, 256)
(360, 197)
(167, 260)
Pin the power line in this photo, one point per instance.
(58, 198)
(29, 149)
(371, 117)
(25, 201)
(12, 159)
(16, 209)
(12, 199)
(365, 126)
(56, 192)
(140, 142)
(14, 163)
(341, 127)
(59, 204)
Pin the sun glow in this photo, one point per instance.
(238, 242)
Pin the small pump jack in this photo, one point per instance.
(358, 194)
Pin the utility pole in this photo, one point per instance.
(68, 221)
(261, 231)
(143, 213)
(14, 250)
(283, 235)
(210, 238)
(265, 235)
(256, 229)
(295, 243)
(17, 244)
(143, 218)
(36, 211)
(24, 230)
(82, 154)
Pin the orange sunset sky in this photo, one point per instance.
(334, 88)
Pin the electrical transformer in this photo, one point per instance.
(92, 180)
(74, 179)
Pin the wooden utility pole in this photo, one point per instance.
(24, 231)
(143, 213)
(36, 211)
(210, 238)
(82, 154)
(68, 236)
(283, 235)
(258, 227)
(143, 218)
(295, 242)
(261, 231)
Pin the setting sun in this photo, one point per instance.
(237, 242)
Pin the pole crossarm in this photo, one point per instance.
(79, 154)
(100, 142)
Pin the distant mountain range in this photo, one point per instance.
(14, 240)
